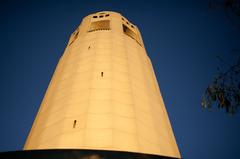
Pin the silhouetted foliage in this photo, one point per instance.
(224, 91)
(231, 10)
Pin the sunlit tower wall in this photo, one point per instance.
(104, 94)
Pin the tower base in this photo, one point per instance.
(77, 154)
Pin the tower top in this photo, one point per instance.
(103, 14)
(108, 20)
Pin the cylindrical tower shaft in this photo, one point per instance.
(104, 94)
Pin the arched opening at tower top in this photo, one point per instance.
(130, 33)
(100, 25)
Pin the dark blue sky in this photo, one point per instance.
(182, 39)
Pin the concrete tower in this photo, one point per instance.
(104, 94)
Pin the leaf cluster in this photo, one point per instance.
(224, 91)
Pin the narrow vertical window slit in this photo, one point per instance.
(74, 123)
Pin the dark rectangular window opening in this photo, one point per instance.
(75, 36)
(101, 74)
(131, 34)
(74, 123)
(100, 25)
